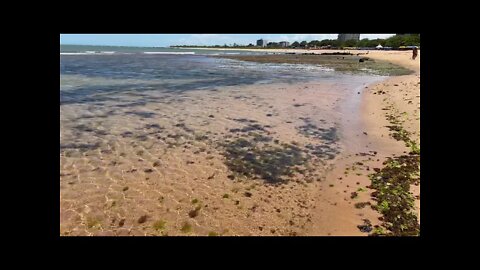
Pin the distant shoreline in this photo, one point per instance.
(287, 50)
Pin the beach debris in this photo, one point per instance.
(121, 222)
(361, 205)
(366, 226)
(194, 213)
(153, 126)
(142, 219)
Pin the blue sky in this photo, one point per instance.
(164, 40)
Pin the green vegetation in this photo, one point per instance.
(393, 196)
(186, 228)
(159, 225)
(400, 134)
(392, 184)
(92, 222)
(377, 231)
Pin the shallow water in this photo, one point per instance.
(147, 139)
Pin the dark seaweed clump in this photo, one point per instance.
(394, 200)
(323, 151)
(311, 130)
(326, 150)
(142, 114)
(248, 128)
(327, 134)
(270, 163)
(244, 120)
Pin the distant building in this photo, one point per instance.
(284, 43)
(262, 43)
(345, 37)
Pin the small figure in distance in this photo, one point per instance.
(414, 53)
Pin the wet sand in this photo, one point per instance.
(170, 162)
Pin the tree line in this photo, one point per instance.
(394, 42)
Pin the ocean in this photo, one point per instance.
(100, 70)
(98, 50)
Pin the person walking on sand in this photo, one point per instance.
(414, 53)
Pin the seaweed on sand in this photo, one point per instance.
(392, 184)
(393, 196)
(270, 163)
(248, 128)
(324, 151)
(327, 134)
(400, 134)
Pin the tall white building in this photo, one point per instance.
(345, 37)
(262, 43)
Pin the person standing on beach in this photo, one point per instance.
(414, 53)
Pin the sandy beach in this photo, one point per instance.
(273, 159)
(401, 95)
